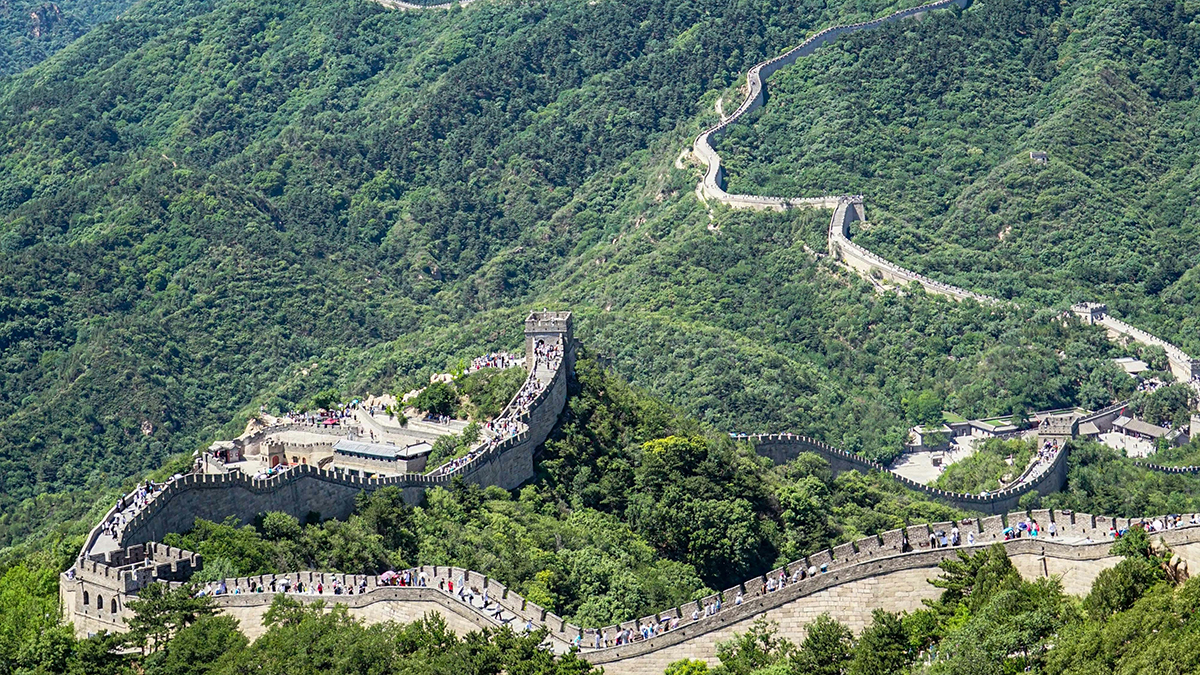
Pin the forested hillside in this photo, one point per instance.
(208, 206)
(31, 30)
(205, 196)
(934, 122)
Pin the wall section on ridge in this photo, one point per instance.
(782, 448)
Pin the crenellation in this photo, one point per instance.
(844, 552)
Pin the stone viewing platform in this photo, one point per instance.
(366, 439)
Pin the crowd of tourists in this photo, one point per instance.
(335, 417)
(499, 360)
(509, 424)
(128, 507)
(271, 471)
(1151, 385)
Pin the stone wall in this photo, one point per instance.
(300, 491)
(1183, 367)
(782, 448)
(871, 265)
(889, 571)
(305, 489)
(712, 186)
(1103, 418)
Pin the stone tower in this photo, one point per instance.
(550, 328)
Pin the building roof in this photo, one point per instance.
(1089, 429)
(1139, 426)
(384, 451)
(1131, 365)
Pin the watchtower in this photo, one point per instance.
(1090, 312)
(94, 592)
(547, 328)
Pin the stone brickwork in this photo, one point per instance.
(93, 594)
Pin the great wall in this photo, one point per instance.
(889, 571)
(848, 209)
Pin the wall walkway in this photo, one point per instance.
(888, 571)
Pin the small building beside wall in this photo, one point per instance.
(1135, 428)
(374, 459)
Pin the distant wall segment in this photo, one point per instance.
(782, 448)
(712, 186)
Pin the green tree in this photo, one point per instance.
(200, 648)
(385, 513)
(687, 667)
(436, 399)
(972, 579)
(883, 648)
(28, 608)
(759, 647)
(161, 612)
(1117, 588)
(827, 648)
(279, 526)
(925, 408)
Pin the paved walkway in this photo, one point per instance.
(1133, 447)
(919, 466)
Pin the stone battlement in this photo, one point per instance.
(1080, 543)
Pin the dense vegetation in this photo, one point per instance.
(31, 30)
(934, 122)
(211, 205)
(995, 464)
(215, 205)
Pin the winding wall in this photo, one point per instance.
(712, 186)
(782, 448)
(847, 209)
(888, 571)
